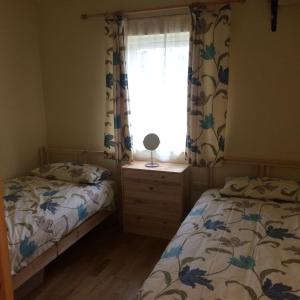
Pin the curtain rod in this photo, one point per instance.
(149, 10)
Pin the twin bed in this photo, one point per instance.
(50, 210)
(243, 245)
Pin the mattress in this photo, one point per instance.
(231, 248)
(40, 212)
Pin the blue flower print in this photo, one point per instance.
(188, 141)
(12, 197)
(116, 58)
(280, 233)
(109, 80)
(244, 262)
(193, 80)
(223, 75)
(195, 149)
(108, 141)
(49, 205)
(197, 212)
(27, 248)
(215, 225)
(50, 193)
(278, 291)
(196, 81)
(252, 217)
(173, 252)
(117, 122)
(123, 81)
(82, 212)
(128, 142)
(221, 143)
(209, 52)
(189, 145)
(104, 176)
(194, 276)
(207, 122)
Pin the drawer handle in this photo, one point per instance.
(162, 177)
(151, 188)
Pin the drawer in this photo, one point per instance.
(150, 226)
(153, 208)
(151, 190)
(142, 175)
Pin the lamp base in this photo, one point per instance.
(151, 165)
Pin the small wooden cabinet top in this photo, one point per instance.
(163, 167)
(154, 199)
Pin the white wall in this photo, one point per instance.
(22, 117)
(264, 98)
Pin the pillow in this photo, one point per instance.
(262, 188)
(72, 172)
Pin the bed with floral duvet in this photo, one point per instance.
(39, 212)
(241, 242)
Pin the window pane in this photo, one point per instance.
(157, 71)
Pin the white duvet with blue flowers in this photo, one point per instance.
(231, 248)
(39, 212)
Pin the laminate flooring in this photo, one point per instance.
(106, 264)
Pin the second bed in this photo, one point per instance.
(233, 247)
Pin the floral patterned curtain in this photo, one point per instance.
(117, 139)
(207, 85)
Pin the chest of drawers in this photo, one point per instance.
(154, 200)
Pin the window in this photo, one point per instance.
(157, 76)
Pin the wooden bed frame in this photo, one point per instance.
(48, 155)
(6, 291)
(262, 167)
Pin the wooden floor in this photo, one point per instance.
(105, 264)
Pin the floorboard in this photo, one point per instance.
(106, 264)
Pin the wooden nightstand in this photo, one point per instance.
(154, 200)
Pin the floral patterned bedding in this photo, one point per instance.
(39, 212)
(231, 248)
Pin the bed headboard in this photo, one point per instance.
(51, 155)
(204, 178)
(257, 167)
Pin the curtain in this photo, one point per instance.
(207, 85)
(117, 139)
(157, 71)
